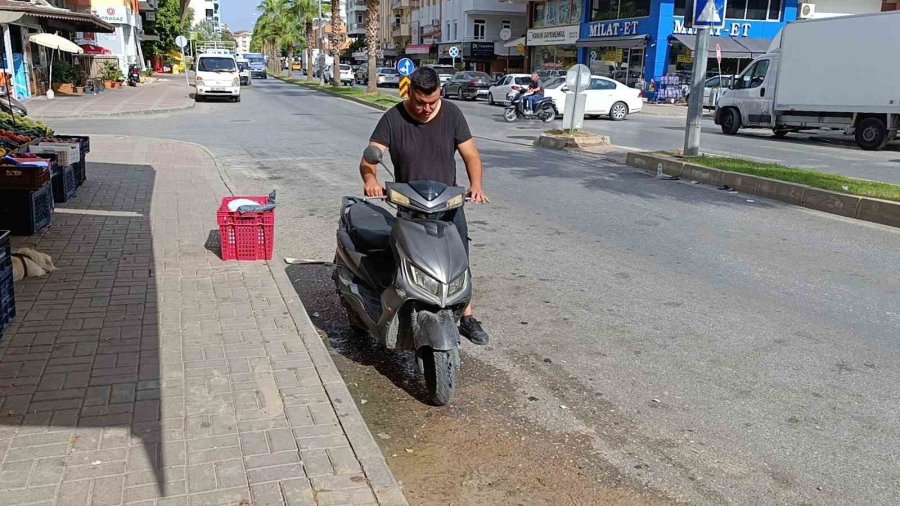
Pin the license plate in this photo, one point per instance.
(218, 88)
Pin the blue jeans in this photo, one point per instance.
(531, 100)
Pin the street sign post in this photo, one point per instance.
(182, 41)
(705, 14)
(454, 53)
(577, 79)
(404, 88)
(405, 67)
(505, 35)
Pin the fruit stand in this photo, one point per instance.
(38, 168)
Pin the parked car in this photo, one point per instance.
(712, 88)
(510, 82)
(387, 76)
(467, 85)
(346, 75)
(548, 75)
(605, 97)
(444, 72)
(244, 70)
(361, 76)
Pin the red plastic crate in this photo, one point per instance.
(248, 236)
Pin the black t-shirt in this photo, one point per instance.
(423, 151)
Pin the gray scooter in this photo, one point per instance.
(406, 279)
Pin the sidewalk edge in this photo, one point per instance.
(119, 114)
(382, 480)
(879, 211)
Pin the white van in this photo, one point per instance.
(217, 76)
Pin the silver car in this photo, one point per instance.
(387, 76)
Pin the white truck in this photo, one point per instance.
(833, 73)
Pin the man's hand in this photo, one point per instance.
(373, 188)
(478, 196)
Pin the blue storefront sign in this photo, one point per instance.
(658, 40)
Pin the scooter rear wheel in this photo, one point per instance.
(439, 369)
(510, 114)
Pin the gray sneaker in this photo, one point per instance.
(471, 328)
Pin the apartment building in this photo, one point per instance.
(474, 27)
(208, 10)
(242, 41)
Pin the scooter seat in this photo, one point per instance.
(370, 226)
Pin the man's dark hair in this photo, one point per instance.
(425, 80)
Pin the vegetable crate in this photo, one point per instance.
(7, 293)
(25, 212)
(248, 236)
(64, 184)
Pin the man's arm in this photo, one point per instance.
(475, 169)
(369, 173)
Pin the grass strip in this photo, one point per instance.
(380, 100)
(833, 182)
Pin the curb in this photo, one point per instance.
(369, 455)
(337, 95)
(121, 114)
(559, 142)
(884, 212)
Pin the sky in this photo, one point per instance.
(239, 14)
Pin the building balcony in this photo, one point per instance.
(404, 4)
(401, 30)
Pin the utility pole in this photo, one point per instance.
(695, 105)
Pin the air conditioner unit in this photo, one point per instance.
(807, 10)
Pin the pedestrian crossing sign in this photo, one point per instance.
(709, 13)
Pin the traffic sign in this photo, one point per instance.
(404, 88)
(709, 13)
(454, 52)
(405, 67)
(505, 34)
(181, 41)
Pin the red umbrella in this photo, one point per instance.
(93, 49)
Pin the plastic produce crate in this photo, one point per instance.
(83, 140)
(25, 212)
(248, 236)
(7, 287)
(64, 184)
(80, 172)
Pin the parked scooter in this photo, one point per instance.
(134, 75)
(406, 278)
(543, 110)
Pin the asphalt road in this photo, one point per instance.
(712, 347)
(824, 151)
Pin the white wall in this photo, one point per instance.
(454, 10)
(828, 8)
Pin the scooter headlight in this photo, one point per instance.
(455, 201)
(457, 284)
(399, 198)
(423, 281)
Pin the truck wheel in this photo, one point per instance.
(871, 134)
(731, 122)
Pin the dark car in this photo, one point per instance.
(467, 85)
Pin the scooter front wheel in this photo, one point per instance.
(439, 369)
(510, 114)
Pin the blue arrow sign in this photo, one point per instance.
(709, 13)
(405, 67)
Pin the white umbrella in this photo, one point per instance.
(58, 43)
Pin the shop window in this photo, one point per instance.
(763, 10)
(602, 10)
(479, 30)
(552, 13)
(538, 18)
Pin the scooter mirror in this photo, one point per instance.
(372, 155)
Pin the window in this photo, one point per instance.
(479, 29)
(763, 10)
(602, 10)
(506, 24)
(754, 76)
(454, 31)
(680, 8)
(524, 81)
(601, 84)
(537, 20)
(223, 64)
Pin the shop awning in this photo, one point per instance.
(731, 48)
(75, 21)
(621, 42)
(515, 43)
(756, 46)
(418, 49)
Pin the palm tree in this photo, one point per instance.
(373, 25)
(282, 25)
(338, 36)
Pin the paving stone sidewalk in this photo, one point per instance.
(164, 94)
(148, 371)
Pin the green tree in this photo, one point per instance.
(282, 27)
(205, 30)
(167, 26)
